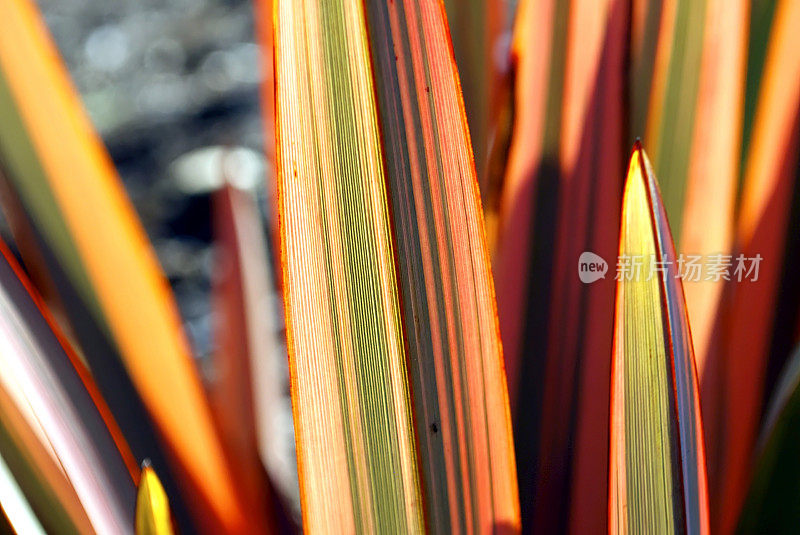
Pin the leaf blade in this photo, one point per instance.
(333, 350)
(57, 439)
(449, 317)
(762, 229)
(657, 477)
(424, 271)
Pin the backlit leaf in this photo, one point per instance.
(246, 391)
(711, 191)
(657, 480)
(673, 97)
(448, 310)
(387, 285)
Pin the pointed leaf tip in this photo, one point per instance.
(152, 506)
(657, 478)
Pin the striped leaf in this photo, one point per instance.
(79, 233)
(711, 191)
(57, 442)
(387, 285)
(657, 480)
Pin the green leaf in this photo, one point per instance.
(657, 473)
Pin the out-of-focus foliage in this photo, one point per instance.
(152, 506)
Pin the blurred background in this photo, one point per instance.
(171, 85)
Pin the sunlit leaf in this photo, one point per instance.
(95, 253)
(448, 310)
(152, 506)
(387, 285)
(56, 437)
(657, 480)
(350, 393)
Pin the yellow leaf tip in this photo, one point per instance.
(152, 505)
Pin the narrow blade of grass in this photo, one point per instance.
(657, 468)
